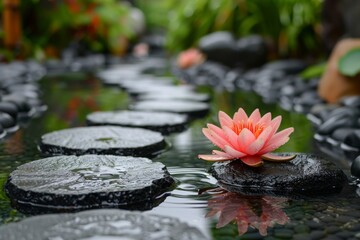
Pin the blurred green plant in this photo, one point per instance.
(291, 25)
(50, 26)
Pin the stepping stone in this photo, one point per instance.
(305, 175)
(176, 95)
(73, 183)
(100, 224)
(136, 90)
(103, 140)
(194, 109)
(158, 121)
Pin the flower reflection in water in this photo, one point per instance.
(259, 212)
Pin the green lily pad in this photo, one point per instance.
(349, 64)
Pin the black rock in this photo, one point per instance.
(252, 51)
(339, 135)
(351, 144)
(319, 113)
(351, 101)
(220, 47)
(9, 108)
(103, 140)
(7, 122)
(289, 66)
(355, 167)
(304, 175)
(158, 121)
(72, 183)
(100, 224)
(346, 119)
(19, 101)
(194, 109)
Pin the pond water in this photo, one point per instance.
(71, 97)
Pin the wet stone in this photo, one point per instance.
(9, 108)
(176, 95)
(103, 140)
(7, 121)
(194, 109)
(100, 224)
(355, 167)
(295, 177)
(73, 183)
(158, 121)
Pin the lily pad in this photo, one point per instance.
(72, 183)
(100, 224)
(103, 140)
(349, 64)
(158, 121)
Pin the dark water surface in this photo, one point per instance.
(71, 97)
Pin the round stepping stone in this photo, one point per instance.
(304, 175)
(72, 183)
(158, 121)
(100, 224)
(103, 140)
(138, 89)
(176, 95)
(194, 109)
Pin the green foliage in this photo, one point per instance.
(50, 26)
(313, 71)
(290, 24)
(349, 64)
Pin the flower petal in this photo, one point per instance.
(222, 154)
(231, 137)
(234, 153)
(216, 130)
(253, 161)
(255, 116)
(276, 158)
(225, 120)
(240, 116)
(265, 120)
(277, 140)
(275, 124)
(259, 143)
(245, 138)
(212, 158)
(214, 138)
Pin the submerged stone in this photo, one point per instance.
(103, 140)
(355, 167)
(158, 121)
(72, 183)
(194, 109)
(100, 224)
(305, 175)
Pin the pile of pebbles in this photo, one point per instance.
(19, 94)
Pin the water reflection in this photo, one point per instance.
(259, 212)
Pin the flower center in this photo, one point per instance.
(256, 129)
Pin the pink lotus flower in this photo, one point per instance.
(190, 58)
(249, 139)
